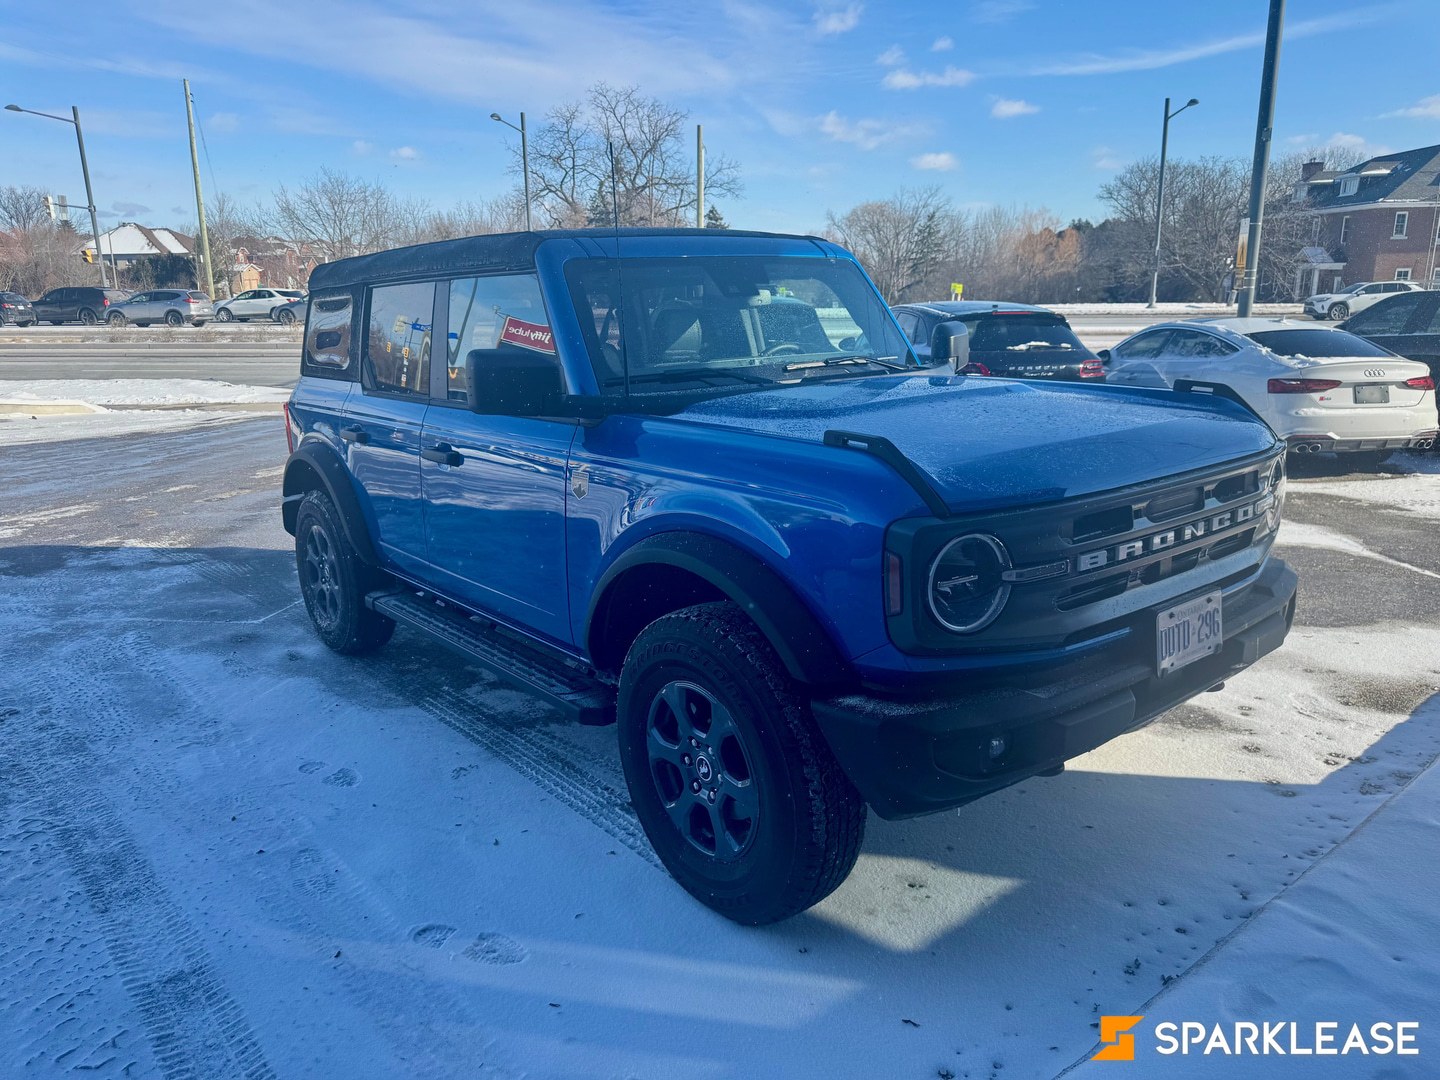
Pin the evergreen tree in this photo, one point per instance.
(714, 219)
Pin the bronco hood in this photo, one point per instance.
(990, 442)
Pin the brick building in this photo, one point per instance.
(1378, 221)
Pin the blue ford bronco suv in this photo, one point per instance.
(695, 483)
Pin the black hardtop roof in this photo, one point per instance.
(491, 252)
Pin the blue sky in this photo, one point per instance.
(823, 104)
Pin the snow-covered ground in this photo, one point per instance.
(228, 852)
(124, 406)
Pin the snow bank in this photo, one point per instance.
(139, 391)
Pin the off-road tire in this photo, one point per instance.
(810, 820)
(334, 581)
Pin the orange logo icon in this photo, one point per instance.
(1117, 1046)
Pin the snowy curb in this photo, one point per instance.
(12, 406)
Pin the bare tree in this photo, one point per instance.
(337, 215)
(22, 207)
(901, 240)
(1290, 229)
(653, 166)
(38, 258)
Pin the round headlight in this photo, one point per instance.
(967, 591)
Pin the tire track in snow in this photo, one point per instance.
(551, 764)
(194, 1027)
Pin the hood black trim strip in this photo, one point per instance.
(880, 447)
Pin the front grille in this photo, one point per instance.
(1175, 504)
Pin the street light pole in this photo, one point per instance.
(1264, 122)
(524, 158)
(1160, 193)
(84, 168)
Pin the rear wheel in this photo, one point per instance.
(729, 776)
(1339, 311)
(334, 581)
(88, 317)
(174, 318)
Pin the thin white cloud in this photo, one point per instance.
(1427, 108)
(1007, 108)
(942, 44)
(404, 153)
(998, 11)
(1151, 59)
(942, 161)
(224, 121)
(1301, 140)
(831, 20)
(1346, 140)
(362, 148)
(905, 79)
(867, 134)
(891, 57)
(1102, 157)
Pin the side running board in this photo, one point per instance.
(566, 684)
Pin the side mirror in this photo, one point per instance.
(513, 382)
(1104, 356)
(950, 341)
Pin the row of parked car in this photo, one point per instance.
(1365, 386)
(90, 306)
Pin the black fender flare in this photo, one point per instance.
(806, 649)
(312, 461)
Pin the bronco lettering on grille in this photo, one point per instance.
(1168, 538)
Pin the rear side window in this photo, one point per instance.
(1196, 345)
(198, 296)
(1316, 343)
(502, 312)
(328, 338)
(397, 338)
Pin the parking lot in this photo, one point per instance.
(233, 853)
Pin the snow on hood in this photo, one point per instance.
(987, 442)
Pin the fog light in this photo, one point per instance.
(997, 746)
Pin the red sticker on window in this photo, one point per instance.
(527, 335)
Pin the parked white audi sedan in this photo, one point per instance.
(1320, 388)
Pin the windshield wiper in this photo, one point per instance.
(692, 375)
(833, 361)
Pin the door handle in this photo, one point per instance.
(443, 453)
(355, 435)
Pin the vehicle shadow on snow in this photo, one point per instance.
(1056, 899)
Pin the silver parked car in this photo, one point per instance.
(255, 304)
(174, 307)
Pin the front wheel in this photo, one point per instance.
(115, 319)
(729, 776)
(1339, 311)
(334, 581)
(224, 315)
(285, 317)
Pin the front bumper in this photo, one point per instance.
(911, 756)
(1317, 444)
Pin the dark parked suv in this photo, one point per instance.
(1408, 324)
(694, 483)
(77, 304)
(1014, 340)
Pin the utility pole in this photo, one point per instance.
(1264, 122)
(699, 177)
(208, 280)
(90, 198)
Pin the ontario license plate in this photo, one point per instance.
(1188, 633)
(1372, 394)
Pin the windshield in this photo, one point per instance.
(1314, 344)
(731, 321)
(1023, 334)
